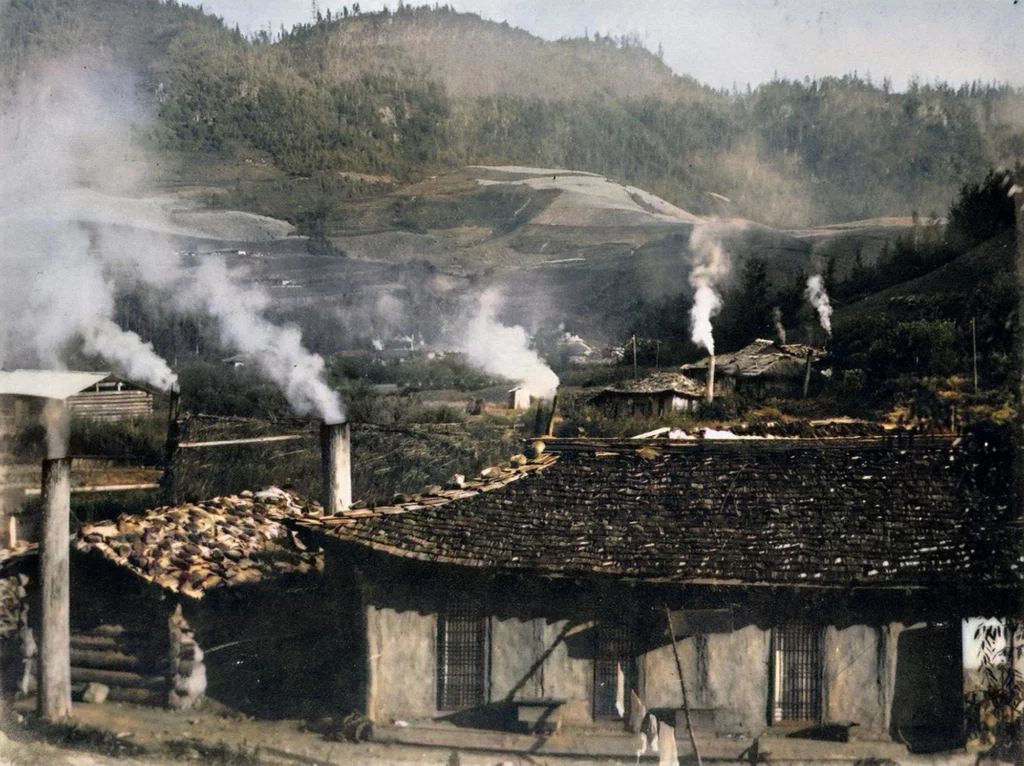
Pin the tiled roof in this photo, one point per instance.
(762, 357)
(659, 382)
(195, 547)
(863, 512)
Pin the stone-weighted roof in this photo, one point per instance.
(838, 513)
(659, 383)
(762, 358)
(196, 547)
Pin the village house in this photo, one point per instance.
(763, 369)
(93, 395)
(816, 589)
(653, 396)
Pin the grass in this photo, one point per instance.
(219, 754)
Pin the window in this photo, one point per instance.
(615, 668)
(463, 642)
(796, 673)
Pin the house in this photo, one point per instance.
(811, 586)
(657, 394)
(519, 398)
(224, 576)
(764, 368)
(93, 395)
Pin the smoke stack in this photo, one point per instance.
(550, 430)
(807, 372)
(54, 701)
(711, 380)
(336, 466)
(171, 446)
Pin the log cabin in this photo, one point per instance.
(763, 369)
(816, 589)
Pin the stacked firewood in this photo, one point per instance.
(188, 672)
(226, 541)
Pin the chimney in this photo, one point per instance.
(167, 482)
(807, 371)
(336, 466)
(54, 701)
(550, 430)
(711, 379)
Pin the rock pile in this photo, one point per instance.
(194, 547)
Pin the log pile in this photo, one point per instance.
(225, 541)
(188, 672)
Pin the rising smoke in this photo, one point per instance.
(505, 351)
(816, 294)
(63, 147)
(710, 266)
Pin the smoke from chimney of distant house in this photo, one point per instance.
(505, 351)
(66, 203)
(816, 294)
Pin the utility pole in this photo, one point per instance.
(657, 354)
(635, 375)
(974, 353)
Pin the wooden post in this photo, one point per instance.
(682, 686)
(974, 353)
(550, 430)
(54, 702)
(336, 466)
(807, 372)
(171, 443)
(635, 373)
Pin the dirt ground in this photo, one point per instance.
(147, 736)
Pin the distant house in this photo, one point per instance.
(762, 369)
(519, 398)
(657, 394)
(94, 395)
(811, 587)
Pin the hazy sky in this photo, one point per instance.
(722, 42)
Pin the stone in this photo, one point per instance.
(96, 693)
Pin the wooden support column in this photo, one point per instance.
(54, 701)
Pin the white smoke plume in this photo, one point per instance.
(505, 351)
(780, 329)
(816, 294)
(56, 290)
(710, 267)
(72, 226)
(277, 350)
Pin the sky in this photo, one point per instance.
(735, 42)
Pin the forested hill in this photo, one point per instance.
(415, 91)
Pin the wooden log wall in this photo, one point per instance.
(111, 405)
(133, 666)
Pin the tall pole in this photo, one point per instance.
(974, 353)
(54, 701)
(682, 686)
(634, 358)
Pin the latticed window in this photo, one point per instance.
(615, 668)
(796, 673)
(463, 643)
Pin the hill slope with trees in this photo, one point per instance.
(396, 96)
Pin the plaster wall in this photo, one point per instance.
(515, 647)
(738, 675)
(853, 673)
(566, 676)
(402, 664)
